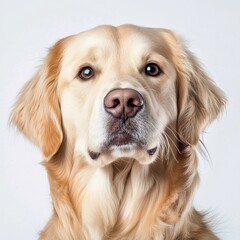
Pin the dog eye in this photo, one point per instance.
(152, 70)
(86, 73)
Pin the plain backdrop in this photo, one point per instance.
(28, 28)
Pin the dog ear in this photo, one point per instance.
(36, 113)
(199, 100)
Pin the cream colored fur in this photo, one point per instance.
(125, 193)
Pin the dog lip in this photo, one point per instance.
(152, 151)
(94, 155)
(120, 139)
(123, 138)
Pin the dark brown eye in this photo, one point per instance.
(86, 73)
(152, 70)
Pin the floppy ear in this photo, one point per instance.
(36, 113)
(199, 100)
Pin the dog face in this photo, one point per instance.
(111, 93)
(118, 93)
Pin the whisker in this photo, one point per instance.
(165, 147)
(166, 137)
(166, 144)
(175, 133)
(173, 143)
(203, 150)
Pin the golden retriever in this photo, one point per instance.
(118, 113)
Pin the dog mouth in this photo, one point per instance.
(123, 133)
(120, 139)
(124, 141)
(124, 137)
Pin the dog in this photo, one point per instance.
(118, 113)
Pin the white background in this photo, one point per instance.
(28, 28)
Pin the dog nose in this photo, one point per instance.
(123, 103)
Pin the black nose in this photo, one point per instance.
(123, 103)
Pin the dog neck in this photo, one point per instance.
(122, 198)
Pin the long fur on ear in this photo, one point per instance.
(36, 113)
(199, 100)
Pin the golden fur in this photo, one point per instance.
(118, 196)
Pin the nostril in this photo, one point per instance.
(135, 102)
(111, 102)
(115, 103)
(130, 102)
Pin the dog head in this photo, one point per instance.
(112, 92)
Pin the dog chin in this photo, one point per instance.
(132, 151)
(124, 151)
